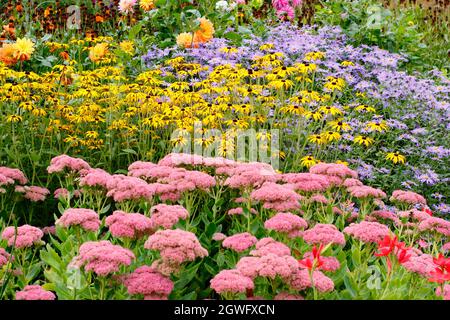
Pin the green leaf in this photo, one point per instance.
(234, 37)
(220, 259)
(350, 286)
(129, 151)
(134, 31)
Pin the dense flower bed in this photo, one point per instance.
(213, 227)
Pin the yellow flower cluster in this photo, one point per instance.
(103, 108)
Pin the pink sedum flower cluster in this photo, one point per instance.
(85, 218)
(33, 193)
(239, 242)
(24, 237)
(10, 176)
(269, 266)
(176, 246)
(5, 257)
(34, 292)
(301, 280)
(277, 197)
(408, 197)
(286, 222)
(324, 234)
(166, 216)
(128, 225)
(231, 281)
(148, 282)
(64, 162)
(367, 231)
(269, 245)
(102, 257)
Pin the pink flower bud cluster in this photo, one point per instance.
(231, 281)
(286, 222)
(4, 257)
(10, 176)
(435, 224)
(324, 234)
(367, 231)
(408, 197)
(122, 188)
(277, 197)
(95, 178)
(269, 245)
(365, 192)
(176, 246)
(307, 182)
(33, 193)
(247, 175)
(87, 219)
(301, 280)
(269, 266)
(102, 257)
(239, 242)
(23, 237)
(166, 216)
(148, 282)
(128, 225)
(34, 292)
(64, 162)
